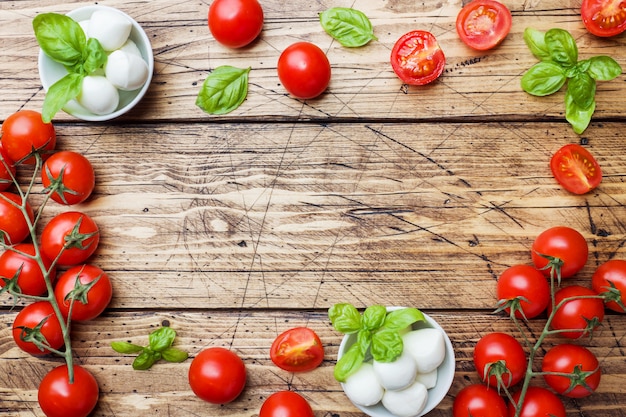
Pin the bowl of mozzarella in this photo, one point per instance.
(412, 385)
(122, 82)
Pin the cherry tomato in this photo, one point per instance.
(286, 404)
(30, 278)
(73, 235)
(500, 352)
(24, 131)
(527, 283)
(538, 402)
(566, 358)
(7, 170)
(604, 17)
(73, 175)
(574, 315)
(297, 350)
(563, 243)
(417, 59)
(90, 300)
(58, 398)
(304, 70)
(217, 375)
(576, 169)
(13, 224)
(29, 318)
(478, 400)
(611, 272)
(235, 23)
(483, 24)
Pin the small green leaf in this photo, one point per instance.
(174, 355)
(345, 318)
(348, 363)
(162, 339)
(386, 346)
(59, 94)
(374, 317)
(145, 360)
(535, 40)
(350, 27)
(562, 47)
(603, 68)
(364, 340)
(96, 56)
(223, 90)
(400, 319)
(125, 347)
(543, 78)
(582, 88)
(60, 37)
(578, 117)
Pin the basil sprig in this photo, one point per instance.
(159, 347)
(63, 40)
(223, 90)
(350, 27)
(558, 53)
(377, 333)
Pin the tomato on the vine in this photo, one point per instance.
(538, 402)
(26, 323)
(563, 243)
(286, 404)
(13, 225)
(90, 295)
(72, 176)
(297, 350)
(417, 59)
(72, 236)
(479, 400)
(7, 169)
(304, 70)
(575, 317)
(217, 375)
(611, 272)
(500, 354)
(571, 359)
(25, 131)
(483, 24)
(525, 286)
(575, 168)
(19, 262)
(235, 23)
(604, 17)
(58, 398)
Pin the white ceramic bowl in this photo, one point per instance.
(445, 372)
(51, 71)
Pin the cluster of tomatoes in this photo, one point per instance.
(573, 313)
(50, 270)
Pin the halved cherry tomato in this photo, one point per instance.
(297, 350)
(604, 17)
(483, 24)
(576, 169)
(417, 59)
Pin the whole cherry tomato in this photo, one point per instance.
(89, 298)
(527, 287)
(19, 262)
(500, 353)
(574, 316)
(611, 272)
(538, 402)
(483, 24)
(304, 70)
(235, 23)
(30, 318)
(58, 398)
(563, 243)
(7, 169)
(286, 404)
(567, 358)
(478, 400)
(217, 375)
(72, 236)
(72, 175)
(24, 131)
(417, 59)
(13, 225)
(604, 17)
(297, 350)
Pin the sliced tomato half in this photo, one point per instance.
(576, 169)
(417, 59)
(483, 24)
(297, 350)
(604, 17)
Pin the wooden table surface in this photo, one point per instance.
(235, 228)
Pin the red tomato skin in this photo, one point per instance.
(78, 176)
(30, 279)
(297, 350)
(24, 130)
(565, 358)
(494, 347)
(614, 271)
(483, 24)
(573, 315)
(54, 233)
(235, 23)
(98, 297)
(564, 243)
(304, 70)
(417, 59)
(538, 402)
(286, 404)
(604, 18)
(58, 398)
(217, 375)
(575, 168)
(7, 170)
(527, 282)
(12, 220)
(30, 316)
(478, 400)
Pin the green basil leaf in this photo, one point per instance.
(403, 318)
(386, 345)
(223, 90)
(174, 355)
(60, 37)
(345, 318)
(350, 27)
(96, 56)
(603, 68)
(582, 89)
(374, 317)
(562, 47)
(348, 363)
(535, 40)
(364, 340)
(125, 347)
(543, 78)
(577, 116)
(161, 339)
(59, 93)
(145, 360)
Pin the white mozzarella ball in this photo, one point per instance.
(408, 402)
(427, 346)
(363, 387)
(397, 374)
(126, 71)
(98, 95)
(110, 28)
(84, 24)
(428, 379)
(130, 47)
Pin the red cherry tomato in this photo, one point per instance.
(576, 169)
(24, 131)
(417, 59)
(566, 358)
(58, 398)
(286, 404)
(13, 224)
(73, 175)
(7, 169)
(500, 352)
(235, 23)
(14, 262)
(604, 17)
(478, 400)
(73, 235)
(29, 318)
(563, 243)
(483, 24)
(297, 350)
(538, 402)
(528, 285)
(304, 70)
(611, 272)
(89, 300)
(217, 375)
(574, 315)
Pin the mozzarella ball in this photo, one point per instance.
(98, 95)
(363, 387)
(130, 47)
(84, 24)
(427, 346)
(397, 374)
(429, 379)
(110, 28)
(126, 71)
(408, 402)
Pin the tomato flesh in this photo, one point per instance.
(297, 350)
(576, 169)
(604, 17)
(417, 59)
(483, 24)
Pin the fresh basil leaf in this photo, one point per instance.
(144, 360)
(386, 345)
(578, 117)
(125, 347)
(535, 40)
(543, 78)
(223, 90)
(161, 339)
(348, 363)
(96, 56)
(403, 318)
(349, 26)
(562, 47)
(345, 318)
(364, 340)
(582, 89)
(174, 355)
(59, 93)
(60, 37)
(603, 68)
(374, 317)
